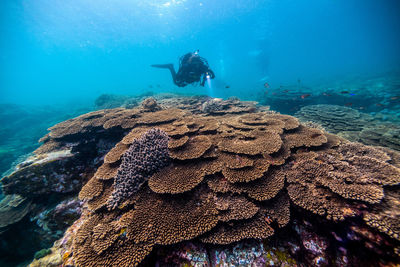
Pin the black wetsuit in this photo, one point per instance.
(192, 69)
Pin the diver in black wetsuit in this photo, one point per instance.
(192, 68)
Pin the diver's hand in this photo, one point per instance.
(212, 75)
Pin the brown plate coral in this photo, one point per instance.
(229, 177)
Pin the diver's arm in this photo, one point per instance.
(203, 79)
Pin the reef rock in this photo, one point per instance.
(40, 175)
(12, 209)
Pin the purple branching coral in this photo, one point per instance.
(145, 156)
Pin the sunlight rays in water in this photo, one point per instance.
(210, 90)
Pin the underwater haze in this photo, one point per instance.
(69, 52)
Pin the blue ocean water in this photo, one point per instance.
(62, 52)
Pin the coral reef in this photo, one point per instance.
(378, 95)
(352, 125)
(334, 118)
(232, 105)
(195, 104)
(240, 172)
(227, 183)
(384, 134)
(113, 101)
(150, 104)
(212, 105)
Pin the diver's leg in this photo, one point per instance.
(163, 66)
(167, 66)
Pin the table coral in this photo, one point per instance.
(238, 178)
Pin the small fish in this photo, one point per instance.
(352, 94)
(266, 85)
(304, 96)
(379, 105)
(344, 92)
(285, 91)
(394, 97)
(274, 93)
(227, 86)
(361, 108)
(348, 104)
(326, 94)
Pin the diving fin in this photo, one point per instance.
(163, 66)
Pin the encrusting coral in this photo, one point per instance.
(220, 179)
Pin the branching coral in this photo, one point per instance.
(144, 157)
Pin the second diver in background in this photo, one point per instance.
(192, 68)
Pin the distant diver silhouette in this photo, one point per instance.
(192, 68)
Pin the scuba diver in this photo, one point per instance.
(192, 68)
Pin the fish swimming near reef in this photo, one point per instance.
(305, 96)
